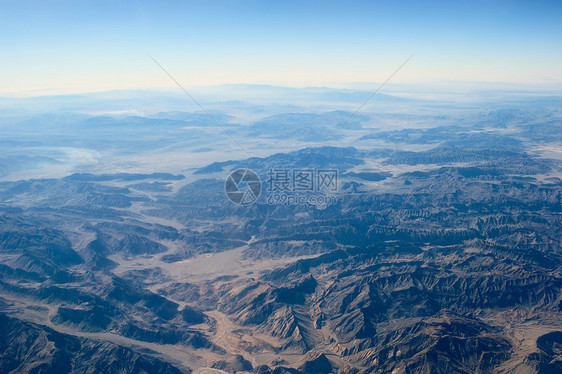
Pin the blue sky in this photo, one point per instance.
(82, 46)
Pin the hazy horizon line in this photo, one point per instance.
(356, 86)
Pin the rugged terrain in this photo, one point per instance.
(440, 254)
